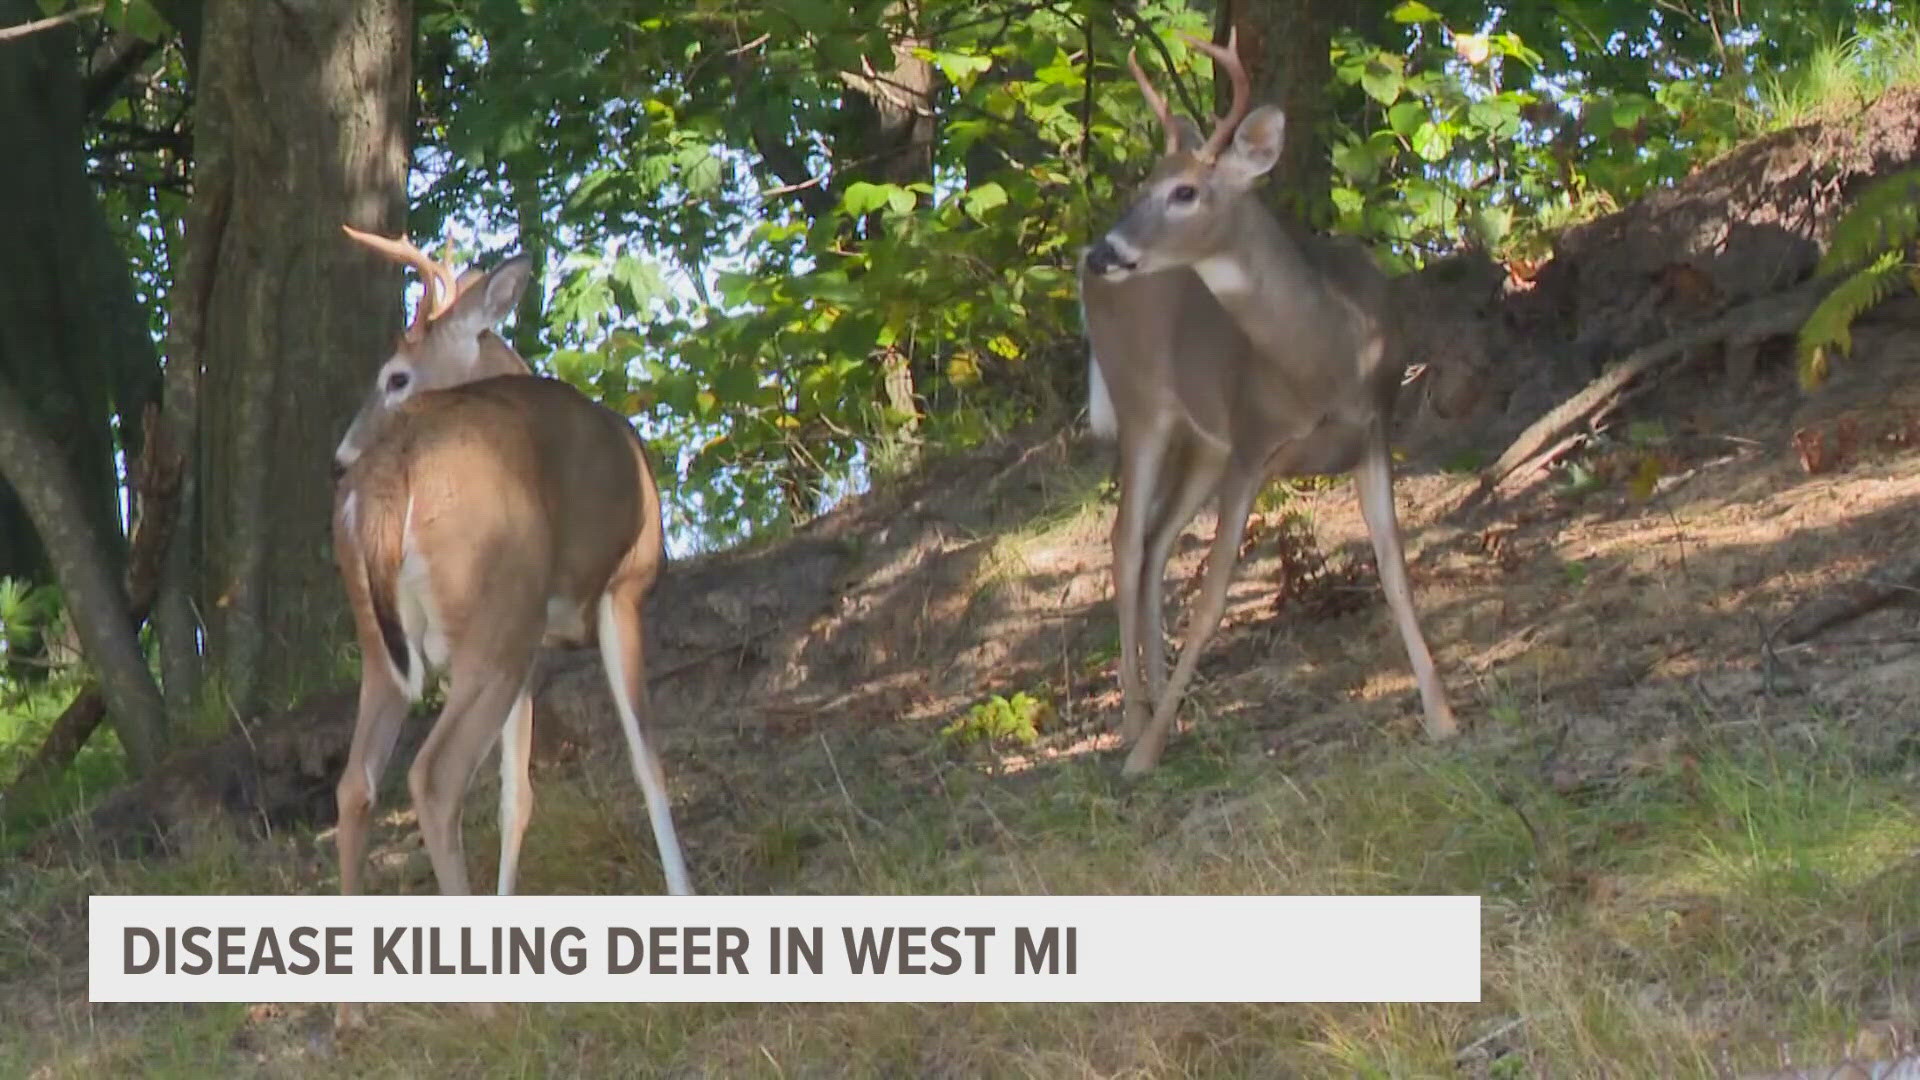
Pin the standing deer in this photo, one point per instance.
(1225, 351)
(480, 511)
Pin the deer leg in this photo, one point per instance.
(1141, 460)
(1237, 491)
(479, 702)
(622, 652)
(1374, 483)
(383, 706)
(516, 788)
(1197, 478)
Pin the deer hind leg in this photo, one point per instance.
(1237, 490)
(1373, 481)
(516, 788)
(622, 651)
(481, 698)
(1141, 461)
(1196, 477)
(383, 707)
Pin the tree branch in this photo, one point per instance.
(156, 484)
(20, 30)
(37, 470)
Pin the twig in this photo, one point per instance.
(658, 677)
(8, 33)
(844, 793)
(749, 46)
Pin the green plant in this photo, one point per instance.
(1873, 245)
(1000, 720)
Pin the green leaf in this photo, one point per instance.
(1413, 11)
(1432, 141)
(141, 19)
(1405, 117)
(987, 196)
(1356, 161)
(900, 200)
(1348, 201)
(862, 198)
(1382, 79)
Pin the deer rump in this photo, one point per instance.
(456, 508)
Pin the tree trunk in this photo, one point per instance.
(31, 463)
(1287, 48)
(301, 126)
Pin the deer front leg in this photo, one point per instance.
(1374, 483)
(1195, 478)
(1141, 459)
(1236, 502)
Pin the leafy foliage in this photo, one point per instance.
(748, 250)
(1001, 720)
(1879, 231)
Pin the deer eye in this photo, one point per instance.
(398, 381)
(1184, 193)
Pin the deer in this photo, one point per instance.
(1225, 350)
(480, 512)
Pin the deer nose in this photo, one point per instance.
(1104, 258)
(339, 468)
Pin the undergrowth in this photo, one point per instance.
(1733, 898)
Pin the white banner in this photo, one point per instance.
(784, 948)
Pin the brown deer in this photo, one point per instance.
(479, 512)
(1227, 350)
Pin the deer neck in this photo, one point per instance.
(1264, 280)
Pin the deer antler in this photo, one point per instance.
(436, 278)
(1227, 56)
(1155, 101)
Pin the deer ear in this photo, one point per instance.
(1188, 134)
(485, 303)
(1256, 146)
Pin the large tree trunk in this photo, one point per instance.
(302, 125)
(1287, 48)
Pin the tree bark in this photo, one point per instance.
(1287, 48)
(302, 125)
(157, 487)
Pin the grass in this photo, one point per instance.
(1732, 896)
(1841, 77)
(25, 718)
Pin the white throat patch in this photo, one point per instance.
(1224, 275)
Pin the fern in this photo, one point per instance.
(1875, 233)
(1830, 328)
(1885, 217)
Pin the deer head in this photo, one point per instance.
(450, 341)
(1183, 212)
